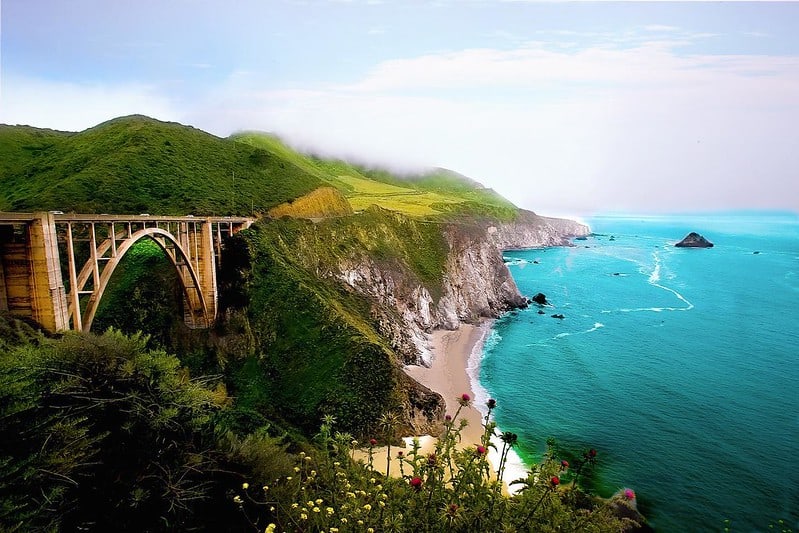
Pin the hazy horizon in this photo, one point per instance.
(563, 108)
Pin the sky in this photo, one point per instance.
(562, 107)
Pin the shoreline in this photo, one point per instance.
(454, 370)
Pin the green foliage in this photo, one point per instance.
(454, 488)
(316, 352)
(143, 295)
(138, 164)
(100, 431)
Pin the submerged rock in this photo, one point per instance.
(558, 315)
(694, 240)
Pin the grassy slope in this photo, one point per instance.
(431, 195)
(137, 164)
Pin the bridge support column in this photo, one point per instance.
(201, 246)
(31, 276)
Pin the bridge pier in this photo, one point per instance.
(31, 274)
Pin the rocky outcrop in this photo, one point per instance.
(476, 282)
(694, 240)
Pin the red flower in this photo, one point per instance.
(448, 418)
(416, 482)
(555, 481)
(629, 494)
(372, 442)
(465, 397)
(481, 450)
(564, 464)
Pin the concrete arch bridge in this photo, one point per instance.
(38, 251)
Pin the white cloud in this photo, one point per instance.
(601, 128)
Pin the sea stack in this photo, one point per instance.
(694, 240)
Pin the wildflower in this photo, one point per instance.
(344, 520)
(491, 403)
(295, 505)
(372, 442)
(270, 528)
(296, 469)
(288, 478)
(333, 530)
(381, 503)
(350, 495)
(400, 454)
(313, 473)
(368, 507)
(316, 509)
(329, 511)
(370, 530)
(416, 482)
(448, 418)
(303, 516)
(237, 499)
(245, 486)
(555, 481)
(481, 450)
(564, 464)
(354, 442)
(372, 481)
(629, 494)
(319, 501)
(452, 509)
(432, 460)
(309, 504)
(265, 488)
(464, 399)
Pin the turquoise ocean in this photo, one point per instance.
(679, 366)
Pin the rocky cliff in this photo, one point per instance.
(475, 283)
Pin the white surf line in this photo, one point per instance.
(654, 278)
(597, 325)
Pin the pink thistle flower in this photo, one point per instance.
(564, 464)
(464, 399)
(416, 482)
(448, 418)
(481, 450)
(629, 494)
(432, 460)
(555, 481)
(491, 403)
(372, 442)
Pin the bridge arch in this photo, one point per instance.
(198, 308)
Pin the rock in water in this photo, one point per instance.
(540, 299)
(694, 240)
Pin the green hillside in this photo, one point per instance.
(138, 164)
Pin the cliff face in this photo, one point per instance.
(475, 283)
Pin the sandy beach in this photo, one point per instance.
(448, 375)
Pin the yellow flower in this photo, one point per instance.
(370, 530)
(319, 501)
(316, 509)
(367, 507)
(333, 530)
(303, 516)
(381, 503)
(295, 505)
(309, 504)
(265, 487)
(245, 486)
(296, 469)
(288, 478)
(270, 528)
(344, 520)
(237, 499)
(313, 473)
(330, 511)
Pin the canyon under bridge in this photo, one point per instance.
(38, 251)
